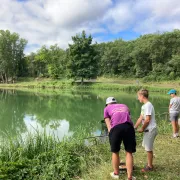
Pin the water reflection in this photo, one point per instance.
(57, 128)
(62, 112)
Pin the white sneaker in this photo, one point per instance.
(114, 176)
(175, 136)
(133, 178)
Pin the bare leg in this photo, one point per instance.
(174, 126)
(150, 158)
(129, 164)
(177, 126)
(115, 162)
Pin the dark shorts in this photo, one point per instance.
(122, 132)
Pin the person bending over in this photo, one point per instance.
(120, 128)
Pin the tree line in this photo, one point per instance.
(151, 56)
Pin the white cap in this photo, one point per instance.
(110, 100)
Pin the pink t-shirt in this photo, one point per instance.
(118, 114)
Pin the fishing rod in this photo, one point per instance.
(96, 136)
(104, 130)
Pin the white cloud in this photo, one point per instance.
(55, 21)
(70, 13)
(119, 17)
(161, 15)
(165, 8)
(52, 21)
(144, 16)
(55, 128)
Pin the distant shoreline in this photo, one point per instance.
(99, 84)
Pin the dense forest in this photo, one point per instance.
(151, 57)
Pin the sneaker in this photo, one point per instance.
(132, 178)
(114, 176)
(175, 135)
(122, 167)
(147, 169)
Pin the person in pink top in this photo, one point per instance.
(120, 128)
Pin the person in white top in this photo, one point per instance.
(149, 127)
(174, 110)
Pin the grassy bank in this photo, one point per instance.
(166, 162)
(42, 157)
(166, 159)
(98, 84)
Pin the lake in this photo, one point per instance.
(61, 113)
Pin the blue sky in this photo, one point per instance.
(46, 22)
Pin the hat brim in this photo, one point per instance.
(111, 103)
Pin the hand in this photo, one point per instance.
(109, 129)
(140, 130)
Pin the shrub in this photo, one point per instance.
(42, 157)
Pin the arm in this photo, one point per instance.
(146, 123)
(138, 122)
(170, 104)
(107, 120)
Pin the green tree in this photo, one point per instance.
(57, 62)
(174, 66)
(48, 62)
(41, 59)
(141, 56)
(82, 57)
(110, 60)
(11, 55)
(116, 58)
(32, 65)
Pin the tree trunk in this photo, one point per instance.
(2, 78)
(6, 79)
(12, 79)
(82, 81)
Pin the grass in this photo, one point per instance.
(166, 162)
(166, 159)
(41, 156)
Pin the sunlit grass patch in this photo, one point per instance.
(166, 162)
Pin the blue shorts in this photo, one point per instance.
(174, 116)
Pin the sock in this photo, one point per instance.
(116, 173)
(177, 134)
(174, 135)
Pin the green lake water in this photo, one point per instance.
(61, 113)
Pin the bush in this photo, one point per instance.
(42, 157)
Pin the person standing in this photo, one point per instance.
(174, 110)
(120, 128)
(149, 127)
